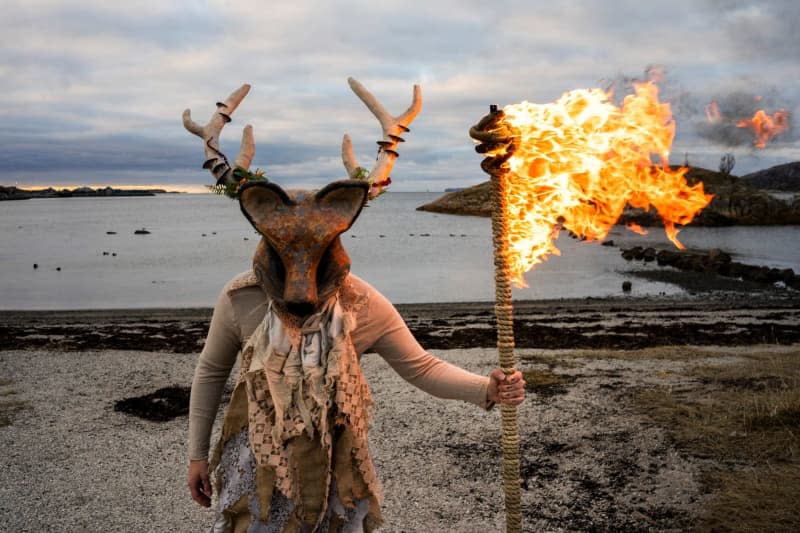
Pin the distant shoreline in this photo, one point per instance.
(14, 193)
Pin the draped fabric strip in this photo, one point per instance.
(306, 406)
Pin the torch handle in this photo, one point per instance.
(504, 312)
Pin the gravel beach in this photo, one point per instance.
(591, 460)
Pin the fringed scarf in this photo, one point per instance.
(304, 400)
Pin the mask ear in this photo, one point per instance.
(343, 200)
(263, 204)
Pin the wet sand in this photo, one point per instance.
(710, 318)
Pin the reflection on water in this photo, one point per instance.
(198, 242)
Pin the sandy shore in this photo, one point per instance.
(592, 459)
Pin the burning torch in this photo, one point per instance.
(575, 163)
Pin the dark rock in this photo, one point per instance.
(607, 243)
(58, 269)
(714, 261)
(627, 286)
(667, 257)
(723, 269)
(114, 254)
(36, 265)
(111, 233)
(718, 256)
(105, 253)
(141, 232)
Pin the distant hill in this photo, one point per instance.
(734, 203)
(13, 193)
(778, 178)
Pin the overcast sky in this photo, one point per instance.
(94, 89)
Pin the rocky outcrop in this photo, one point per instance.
(734, 202)
(715, 262)
(474, 201)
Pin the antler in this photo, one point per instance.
(392, 127)
(216, 161)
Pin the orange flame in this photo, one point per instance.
(766, 126)
(636, 228)
(580, 160)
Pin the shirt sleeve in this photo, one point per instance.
(211, 373)
(395, 343)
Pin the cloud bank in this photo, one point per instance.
(94, 90)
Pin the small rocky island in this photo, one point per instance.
(744, 200)
(14, 193)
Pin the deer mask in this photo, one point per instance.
(300, 261)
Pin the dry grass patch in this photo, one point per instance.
(763, 499)
(545, 382)
(745, 417)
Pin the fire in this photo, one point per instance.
(636, 228)
(766, 126)
(580, 160)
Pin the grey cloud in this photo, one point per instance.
(118, 106)
(760, 30)
(173, 27)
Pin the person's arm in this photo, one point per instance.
(386, 332)
(210, 375)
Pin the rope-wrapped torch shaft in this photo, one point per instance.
(505, 347)
(493, 135)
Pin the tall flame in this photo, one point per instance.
(766, 126)
(580, 160)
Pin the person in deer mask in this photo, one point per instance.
(293, 452)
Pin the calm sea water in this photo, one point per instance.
(198, 242)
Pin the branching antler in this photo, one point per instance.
(216, 161)
(392, 128)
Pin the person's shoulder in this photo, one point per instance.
(242, 295)
(244, 280)
(361, 286)
(376, 300)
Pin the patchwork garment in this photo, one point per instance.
(293, 454)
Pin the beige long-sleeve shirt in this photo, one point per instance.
(379, 327)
